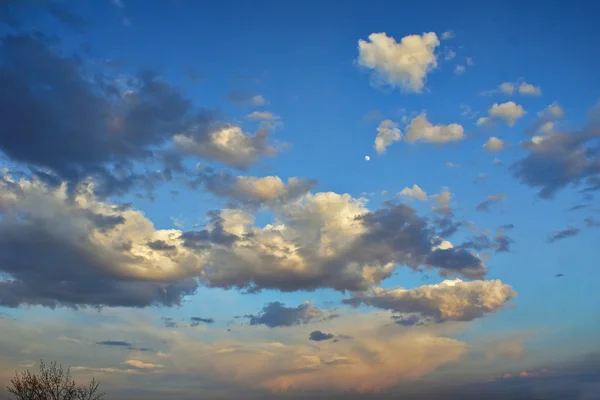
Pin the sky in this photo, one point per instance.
(263, 199)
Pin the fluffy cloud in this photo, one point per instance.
(528, 89)
(405, 64)
(387, 133)
(557, 160)
(490, 200)
(276, 314)
(250, 189)
(509, 112)
(494, 144)
(420, 129)
(451, 300)
(62, 250)
(415, 192)
(87, 252)
(227, 144)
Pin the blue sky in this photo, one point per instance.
(317, 80)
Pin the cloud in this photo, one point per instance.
(442, 202)
(403, 65)
(142, 365)
(499, 243)
(420, 129)
(116, 343)
(252, 190)
(546, 119)
(319, 336)
(415, 192)
(198, 320)
(558, 160)
(451, 300)
(387, 134)
(509, 88)
(169, 322)
(81, 127)
(227, 144)
(106, 255)
(107, 126)
(529, 90)
(448, 35)
(564, 234)
(275, 314)
(459, 69)
(450, 55)
(591, 222)
(262, 115)
(85, 252)
(494, 144)
(489, 201)
(509, 112)
(245, 99)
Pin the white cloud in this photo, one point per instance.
(448, 35)
(387, 133)
(404, 65)
(450, 55)
(469, 61)
(415, 192)
(142, 365)
(459, 69)
(262, 115)
(509, 112)
(420, 129)
(258, 100)
(507, 88)
(529, 90)
(494, 144)
(450, 300)
(228, 144)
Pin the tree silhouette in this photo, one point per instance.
(52, 383)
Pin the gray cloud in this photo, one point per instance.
(319, 336)
(591, 222)
(198, 320)
(104, 127)
(559, 160)
(114, 343)
(489, 201)
(169, 322)
(122, 344)
(276, 314)
(565, 233)
(499, 243)
(242, 98)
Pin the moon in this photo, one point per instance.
(367, 158)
